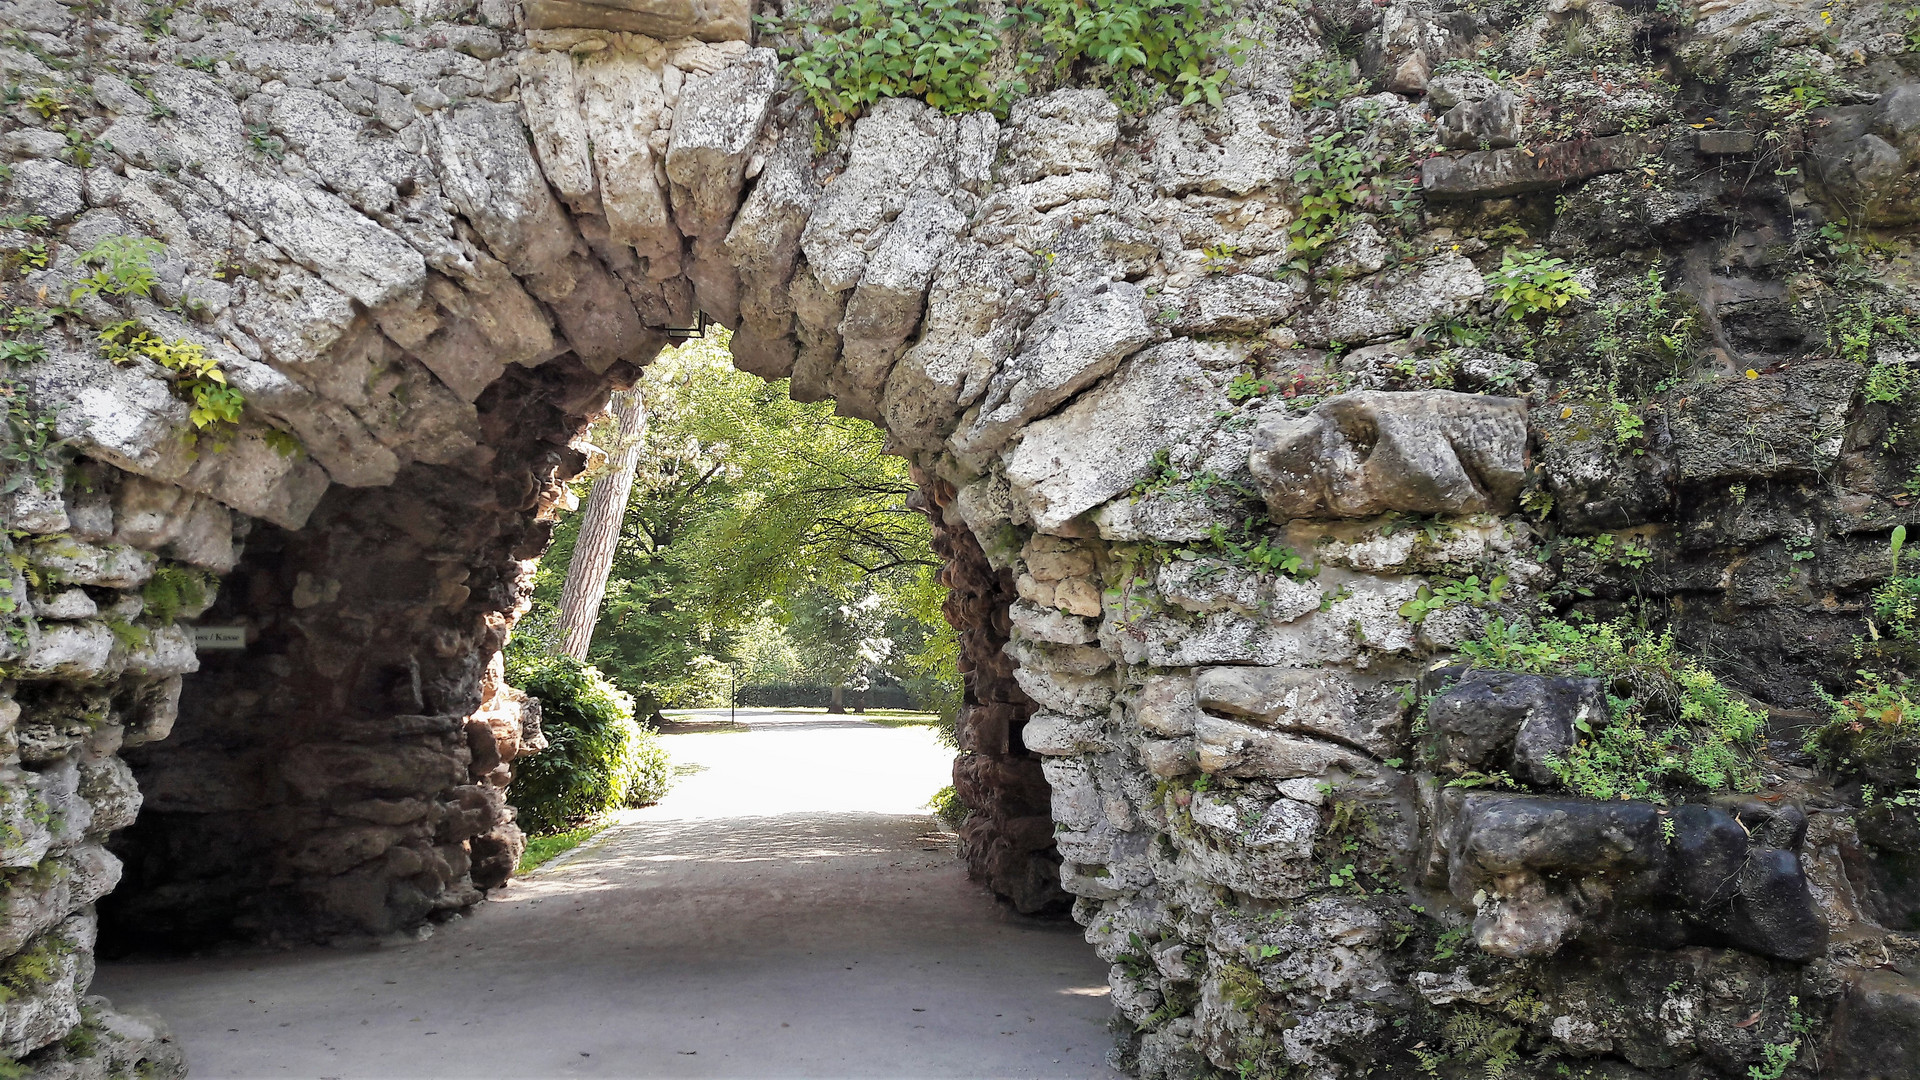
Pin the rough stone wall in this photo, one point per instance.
(423, 241)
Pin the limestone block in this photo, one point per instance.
(108, 786)
(1366, 453)
(1783, 423)
(1076, 342)
(1728, 873)
(1101, 445)
(1231, 303)
(1248, 144)
(763, 244)
(1865, 158)
(894, 145)
(716, 124)
(1493, 174)
(1501, 721)
(708, 20)
(1168, 705)
(150, 714)
(34, 508)
(1169, 517)
(486, 169)
(1050, 625)
(550, 101)
(1066, 692)
(51, 1008)
(1170, 758)
(1075, 794)
(1394, 302)
(168, 651)
(1212, 585)
(70, 815)
(67, 604)
(70, 651)
(623, 102)
(1490, 123)
(1233, 748)
(1312, 701)
(24, 819)
(48, 188)
(1059, 736)
(1063, 132)
(884, 308)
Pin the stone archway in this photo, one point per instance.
(425, 244)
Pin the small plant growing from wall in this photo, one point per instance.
(957, 58)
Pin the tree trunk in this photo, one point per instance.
(839, 704)
(600, 529)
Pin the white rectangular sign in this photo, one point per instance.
(219, 637)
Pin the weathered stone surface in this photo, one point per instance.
(1078, 341)
(715, 125)
(708, 20)
(1492, 174)
(1104, 443)
(1498, 721)
(894, 146)
(1784, 423)
(1236, 303)
(1394, 302)
(1428, 452)
(1864, 158)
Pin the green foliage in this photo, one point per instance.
(1878, 720)
(1787, 92)
(872, 49)
(598, 758)
(1675, 726)
(1323, 84)
(124, 268)
(946, 806)
(173, 589)
(753, 518)
(948, 53)
(1470, 592)
(1332, 179)
(201, 382)
(1180, 44)
(32, 451)
(1530, 283)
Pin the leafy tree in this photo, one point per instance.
(750, 512)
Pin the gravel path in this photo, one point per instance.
(788, 911)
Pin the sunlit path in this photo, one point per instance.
(786, 911)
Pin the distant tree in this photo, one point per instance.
(749, 510)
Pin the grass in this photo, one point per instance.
(541, 849)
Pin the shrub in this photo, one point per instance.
(1529, 282)
(598, 758)
(946, 806)
(1675, 725)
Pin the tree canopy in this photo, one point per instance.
(762, 532)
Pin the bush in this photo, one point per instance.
(1675, 727)
(598, 758)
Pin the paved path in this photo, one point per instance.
(778, 915)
